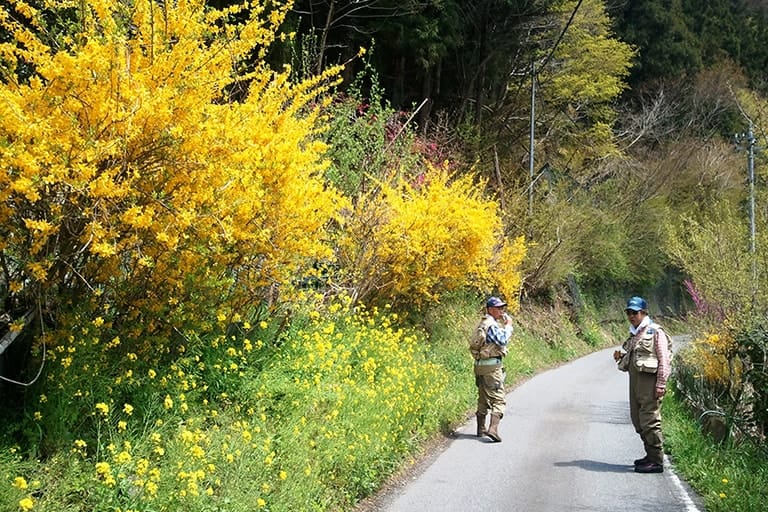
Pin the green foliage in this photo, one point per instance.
(578, 86)
(753, 356)
(367, 140)
(597, 237)
(714, 253)
(660, 29)
(729, 478)
(680, 37)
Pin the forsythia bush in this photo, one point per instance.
(130, 174)
(412, 240)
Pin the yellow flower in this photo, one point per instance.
(26, 504)
(168, 402)
(19, 482)
(725, 480)
(128, 409)
(261, 503)
(283, 475)
(722, 495)
(102, 408)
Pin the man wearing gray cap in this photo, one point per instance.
(488, 347)
(647, 361)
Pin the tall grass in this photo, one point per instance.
(730, 477)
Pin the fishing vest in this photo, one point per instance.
(645, 358)
(478, 346)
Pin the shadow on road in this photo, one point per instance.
(459, 435)
(594, 465)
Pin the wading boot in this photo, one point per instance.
(481, 430)
(493, 430)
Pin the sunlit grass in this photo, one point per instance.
(729, 478)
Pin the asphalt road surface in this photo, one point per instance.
(567, 445)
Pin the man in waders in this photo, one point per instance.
(646, 357)
(488, 347)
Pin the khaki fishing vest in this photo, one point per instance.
(478, 346)
(644, 357)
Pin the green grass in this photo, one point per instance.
(732, 477)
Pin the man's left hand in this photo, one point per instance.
(660, 392)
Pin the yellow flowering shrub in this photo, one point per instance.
(150, 160)
(715, 357)
(413, 240)
(710, 372)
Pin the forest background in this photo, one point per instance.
(243, 242)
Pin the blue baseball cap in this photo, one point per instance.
(637, 304)
(495, 302)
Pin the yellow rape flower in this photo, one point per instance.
(26, 504)
(20, 482)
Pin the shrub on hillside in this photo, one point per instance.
(133, 182)
(411, 241)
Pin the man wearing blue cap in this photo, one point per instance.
(648, 364)
(488, 346)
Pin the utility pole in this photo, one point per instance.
(751, 166)
(531, 138)
(749, 140)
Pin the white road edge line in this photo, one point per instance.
(690, 506)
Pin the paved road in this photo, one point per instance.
(568, 445)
